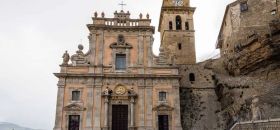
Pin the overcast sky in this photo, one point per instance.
(35, 33)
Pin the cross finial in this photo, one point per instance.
(122, 4)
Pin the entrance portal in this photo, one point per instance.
(163, 122)
(74, 122)
(119, 117)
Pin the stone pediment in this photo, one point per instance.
(120, 45)
(74, 107)
(163, 107)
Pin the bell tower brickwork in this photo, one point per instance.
(177, 31)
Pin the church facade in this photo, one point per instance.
(119, 84)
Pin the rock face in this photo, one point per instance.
(243, 85)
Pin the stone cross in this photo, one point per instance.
(122, 4)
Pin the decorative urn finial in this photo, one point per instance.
(102, 15)
(141, 15)
(95, 14)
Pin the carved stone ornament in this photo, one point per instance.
(163, 107)
(120, 90)
(74, 107)
(107, 92)
(131, 92)
(121, 43)
(79, 58)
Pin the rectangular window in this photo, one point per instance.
(162, 96)
(170, 25)
(76, 95)
(179, 46)
(187, 26)
(243, 6)
(74, 122)
(120, 62)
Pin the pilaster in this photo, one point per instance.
(141, 49)
(176, 112)
(89, 113)
(60, 103)
(149, 107)
(97, 108)
(141, 94)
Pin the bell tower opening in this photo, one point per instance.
(178, 23)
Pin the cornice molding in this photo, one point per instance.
(92, 75)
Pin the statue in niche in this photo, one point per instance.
(255, 109)
(79, 58)
(66, 58)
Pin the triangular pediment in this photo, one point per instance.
(163, 107)
(74, 107)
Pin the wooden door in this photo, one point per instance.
(163, 122)
(120, 117)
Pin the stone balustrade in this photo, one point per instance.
(270, 124)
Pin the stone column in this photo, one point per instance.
(132, 101)
(106, 106)
(59, 104)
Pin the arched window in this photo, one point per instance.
(178, 23)
(170, 25)
(191, 77)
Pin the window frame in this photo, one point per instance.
(73, 98)
(162, 96)
(191, 77)
(122, 65)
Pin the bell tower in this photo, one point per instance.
(177, 31)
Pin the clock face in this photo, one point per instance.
(178, 2)
(120, 90)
